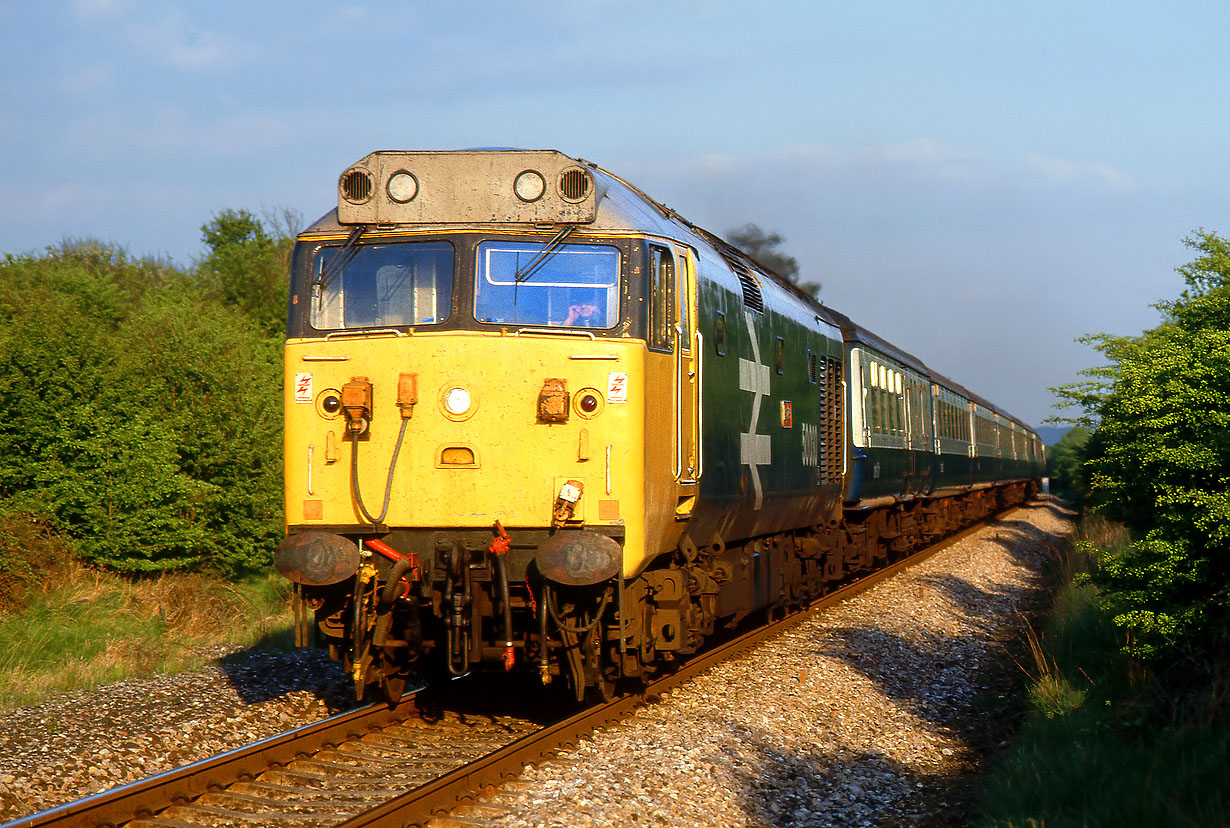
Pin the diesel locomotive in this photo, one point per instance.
(537, 421)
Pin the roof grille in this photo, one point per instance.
(748, 281)
(357, 185)
(574, 184)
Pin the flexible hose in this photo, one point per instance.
(389, 594)
(502, 571)
(388, 484)
(606, 599)
(542, 618)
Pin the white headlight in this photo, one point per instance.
(457, 400)
(529, 186)
(402, 187)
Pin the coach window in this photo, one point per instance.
(898, 405)
(719, 333)
(686, 277)
(779, 355)
(661, 298)
(873, 398)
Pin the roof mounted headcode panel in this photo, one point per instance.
(467, 187)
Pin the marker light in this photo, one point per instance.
(588, 403)
(402, 187)
(529, 186)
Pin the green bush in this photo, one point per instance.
(1159, 461)
(246, 266)
(32, 558)
(1065, 464)
(138, 414)
(1106, 738)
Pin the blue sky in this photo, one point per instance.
(978, 182)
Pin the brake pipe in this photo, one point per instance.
(498, 549)
(383, 549)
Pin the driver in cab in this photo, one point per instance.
(584, 314)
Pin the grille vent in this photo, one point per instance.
(749, 283)
(831, 443)
(574, 184)
(357, 186)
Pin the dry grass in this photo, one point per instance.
(92, 627)
(1050, 691)
(33, 558)
(1105, 742)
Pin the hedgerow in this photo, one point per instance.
(140, 413)
(1160, 461)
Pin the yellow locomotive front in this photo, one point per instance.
(469, 409)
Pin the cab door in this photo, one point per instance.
(687, 382)
(672, 333)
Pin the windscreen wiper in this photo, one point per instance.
(555, 245)
(344, 254)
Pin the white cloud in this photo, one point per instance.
(922, 157)
(99, 9)
(175, 132)
(88, 80)
(174, 42)
(239, 134)
(919, 161)
(1065, 170)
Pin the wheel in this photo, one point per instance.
(392, 684)
(361, 630)
(606, 687)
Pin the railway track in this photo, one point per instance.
(384, 766)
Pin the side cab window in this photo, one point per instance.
(661, 298)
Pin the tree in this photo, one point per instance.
(1161, 463)
(1065, 463)
(139, 417)
(762, 248)
(246, 267)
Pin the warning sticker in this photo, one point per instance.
(617, 387)
(303, 388)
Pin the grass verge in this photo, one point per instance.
(1105, 740)
(75, 627)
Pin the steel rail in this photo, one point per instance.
(434, 799)
(146, 797)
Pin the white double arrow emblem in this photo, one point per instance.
(754, 449)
